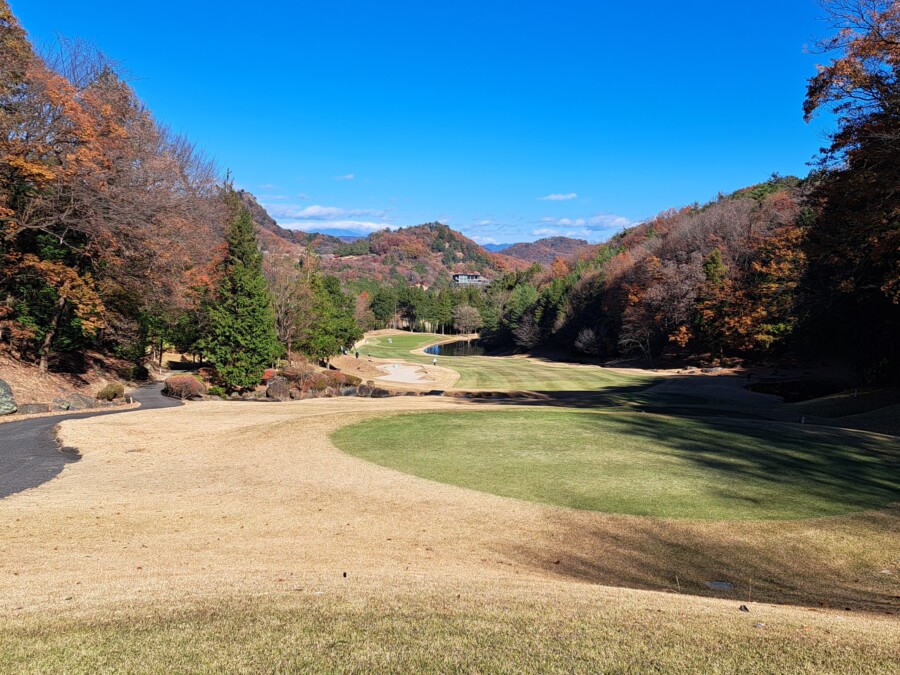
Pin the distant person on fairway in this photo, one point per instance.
(434, 361)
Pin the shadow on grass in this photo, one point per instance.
(845, 561)
(836, 563)
(638, 397)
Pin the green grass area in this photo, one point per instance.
(401, 347)
(850, 402)
(505, 373)
(637, 464)
(468, 631)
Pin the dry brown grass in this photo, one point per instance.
(182, 510)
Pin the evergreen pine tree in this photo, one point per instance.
(242, 341)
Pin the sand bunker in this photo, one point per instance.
(405, 374)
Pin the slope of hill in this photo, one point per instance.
(545, 251)
(423, 254)
(272, 235)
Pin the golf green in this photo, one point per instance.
(646, 465)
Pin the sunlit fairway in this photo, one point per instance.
(504, 373)
(637, 464)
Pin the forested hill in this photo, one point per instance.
(545, 251)
(426, 254)
(272, 236)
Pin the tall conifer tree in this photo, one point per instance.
(242, 341)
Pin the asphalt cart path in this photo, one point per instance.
(30, 454)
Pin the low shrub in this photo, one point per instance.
(307, 378)
(216, 390)
(298, 373)
(184, 386)
(316, 382)
(111, 392)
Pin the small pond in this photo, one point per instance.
(458, 348)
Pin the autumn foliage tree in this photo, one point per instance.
(106, 219)
(853, 247)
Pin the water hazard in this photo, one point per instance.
(458, 348)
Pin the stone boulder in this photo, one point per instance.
(378, 392)
(32, 408)
(296, 394)
(278, 390)
(80, 402)
(364, 390)
(7, 402)
(60, 404)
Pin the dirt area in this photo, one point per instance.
(364, 368)
(29, 386)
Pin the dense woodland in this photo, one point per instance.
(120, 237)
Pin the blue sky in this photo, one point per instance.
(508, 121)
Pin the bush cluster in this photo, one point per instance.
(308, 379)
(111, 392)
(184, 386)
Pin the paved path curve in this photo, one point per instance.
(30, 455)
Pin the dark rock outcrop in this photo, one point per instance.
(278, 390)
(80, 402)
(7, 402)
(32, 408)
(60, 404)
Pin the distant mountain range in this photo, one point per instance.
(423, 254)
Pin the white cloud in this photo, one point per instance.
(304, 196)
(348, 176)
(278, 198)
(321, 213)
(268, 186)
(483, 240)
(598, 227)
(357, 226)
(610, 221)
(556, 197)
(487, 222)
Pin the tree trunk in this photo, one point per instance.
(47, 342)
